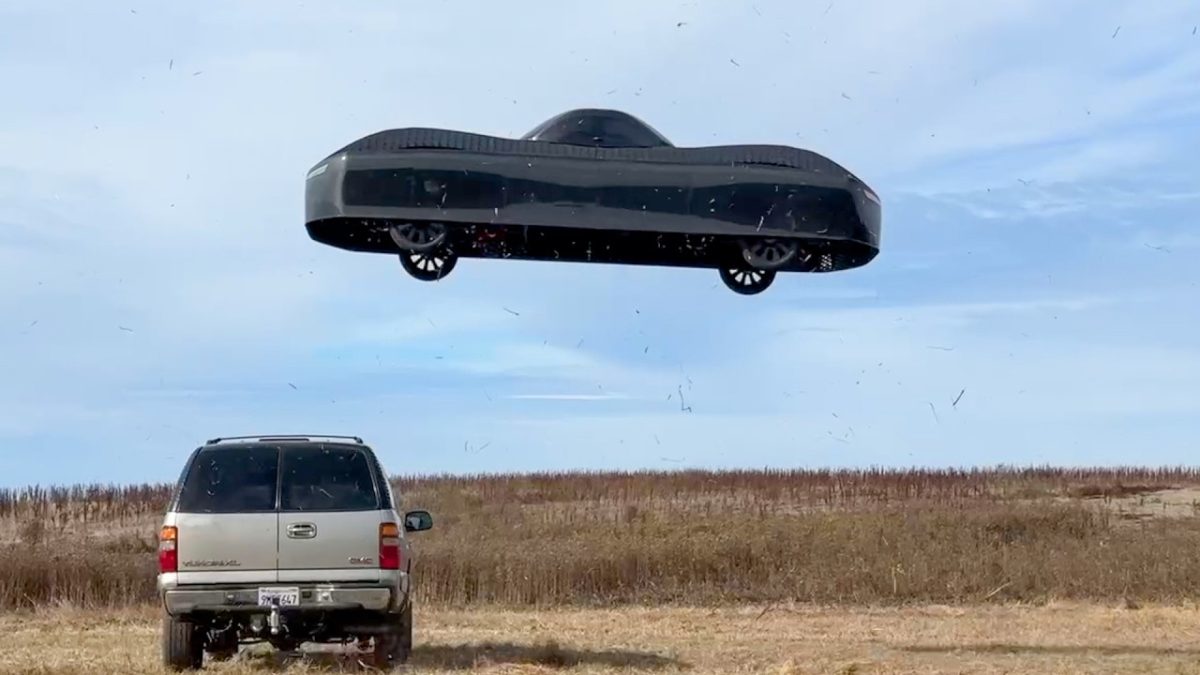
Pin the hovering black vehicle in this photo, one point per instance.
(592, 185)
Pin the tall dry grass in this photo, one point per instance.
(869, 536)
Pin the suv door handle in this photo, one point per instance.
(301, 530)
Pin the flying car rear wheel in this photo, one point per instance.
(428, 265)
(418, 236)
(769, 253)
(747, 280)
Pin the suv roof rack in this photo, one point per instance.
(284, 438)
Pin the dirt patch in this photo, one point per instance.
(1135, 505)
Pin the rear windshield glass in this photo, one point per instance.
(326, 478)
(231, 480)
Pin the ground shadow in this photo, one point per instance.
(466, 657)
(341, 661)
(1055, 650)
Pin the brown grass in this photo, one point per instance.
(692, 537)
(780, 640)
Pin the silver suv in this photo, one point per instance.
(285, 539)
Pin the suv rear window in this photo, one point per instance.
(324, 478)
(231, 480)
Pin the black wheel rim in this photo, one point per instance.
(747, 280)
(429, 265)
(418, 236)
(770, 253)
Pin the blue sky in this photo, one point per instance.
(1036, 163)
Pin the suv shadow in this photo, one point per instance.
(472, 655)
(468, 656)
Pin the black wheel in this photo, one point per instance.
(747, 280)
(428, 265)
(387, 652)
(182, 644)
(393, 648)
(769, 253)
(418, 236)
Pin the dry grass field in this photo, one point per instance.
(984, 571)
(697, 538)
(783, 640)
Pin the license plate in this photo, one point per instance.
(283, 596)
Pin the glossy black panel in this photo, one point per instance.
(592, 186)
(771, 206)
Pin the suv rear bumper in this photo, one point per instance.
(313, 598)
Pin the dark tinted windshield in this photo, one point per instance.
(229, 480)
(323, 478)
(602, 128)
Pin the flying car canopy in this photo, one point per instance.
(598, 128)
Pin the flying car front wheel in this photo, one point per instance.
(418, 236)
(428, 265)
(769, 253)
(747, 280)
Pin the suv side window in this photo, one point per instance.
(327, 478)
(228, 480)
(385, 486)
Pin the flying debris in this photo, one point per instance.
(592, 186)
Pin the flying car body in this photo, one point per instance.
(592, 185)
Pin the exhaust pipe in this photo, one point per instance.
(274, 620)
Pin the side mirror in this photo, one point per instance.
(416, 521)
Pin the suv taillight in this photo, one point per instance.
(168, 552)
(389, 546)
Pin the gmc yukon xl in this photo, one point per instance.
(286, 540)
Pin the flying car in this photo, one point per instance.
(592, 185)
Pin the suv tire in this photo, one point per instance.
(182, 644)
(393, 647)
